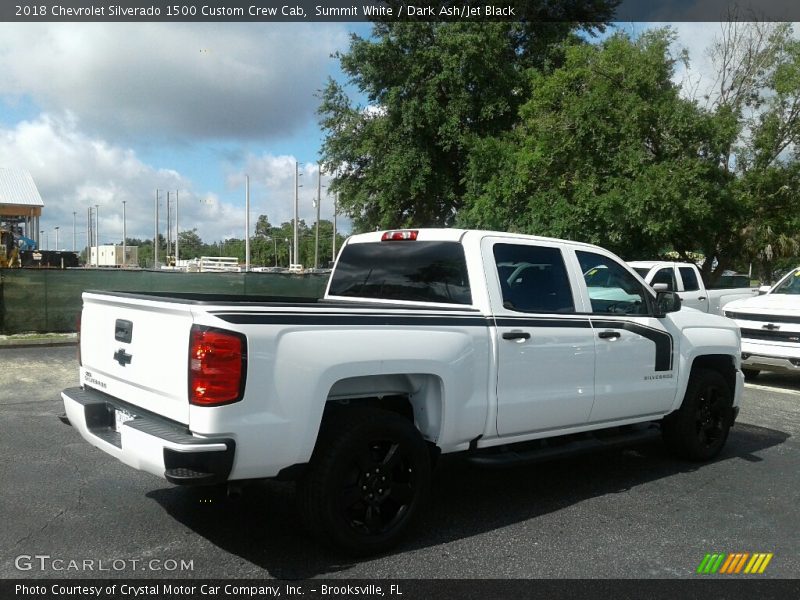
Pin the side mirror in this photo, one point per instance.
(660, 287)
(667, 302)
(764, 289)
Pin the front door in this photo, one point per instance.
(635, 352)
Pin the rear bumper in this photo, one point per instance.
(146, 441)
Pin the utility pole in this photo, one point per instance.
(155, 238)
(247, 223)
(124, 237)
(177, 229)
(89, 236)
(319, 201)
(169, 232)
(335, 209)
(97, 234)
(296, 187)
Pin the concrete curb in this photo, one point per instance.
(22, 341)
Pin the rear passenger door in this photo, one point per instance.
(691, 294)
(545, 372)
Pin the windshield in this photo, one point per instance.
(790, 285)
(642, 271)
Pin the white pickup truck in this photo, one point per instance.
(685, 279)
(426, 342)
(770, 326)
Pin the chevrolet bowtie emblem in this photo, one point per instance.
(122, 357)
(771, 326)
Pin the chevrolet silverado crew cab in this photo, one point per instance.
(685, 279)
(770, 326)
(426, 342)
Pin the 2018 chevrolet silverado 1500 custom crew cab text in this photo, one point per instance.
(770, 326)
(685, 279)
(426, 342)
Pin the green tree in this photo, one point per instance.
(189, 244)
(433, 90)
(607, 152)
(758, 83)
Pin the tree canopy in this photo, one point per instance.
(535, 129)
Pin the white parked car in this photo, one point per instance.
(770, 326)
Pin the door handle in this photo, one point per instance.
(516, 335)
(609, 335)
(701, 297)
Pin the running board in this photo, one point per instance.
(543, 450)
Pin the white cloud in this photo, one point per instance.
(172, 81)
(272, 189)
(74, 171)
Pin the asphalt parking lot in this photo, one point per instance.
(633, 513)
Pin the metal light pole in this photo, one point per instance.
(177, 230)
(41, 235)
(275, 251)
(89, 237)
(169, 232)
(124, 238)
(155, 237)
(73, 230)
(319, 202)
(335, 209)
(296, 187)
(247, 223)
(56, 228)
(97, 234)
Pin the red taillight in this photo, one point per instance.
(217, 366)
(409, 235)
(78, 330)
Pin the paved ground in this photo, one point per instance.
(630, 513)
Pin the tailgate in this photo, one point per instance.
(137, 349)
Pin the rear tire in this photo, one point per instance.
(750, 374)
(699, 428)
(368, 477)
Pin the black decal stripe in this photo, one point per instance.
(351, 319)
(542, 322)
(661, 339)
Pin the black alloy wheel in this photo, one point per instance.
(368, 477)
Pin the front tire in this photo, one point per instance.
(699, 428)
(368, 477)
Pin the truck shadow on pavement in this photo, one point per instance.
(263, 527)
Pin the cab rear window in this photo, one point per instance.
(403, 270)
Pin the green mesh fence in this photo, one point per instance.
(44, 301)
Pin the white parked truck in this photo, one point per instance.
(770, 326)
(427, 341)
(685, 279)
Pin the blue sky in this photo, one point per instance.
(105, 112)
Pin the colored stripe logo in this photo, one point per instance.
(734, 563)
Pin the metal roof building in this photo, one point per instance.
(20, 202)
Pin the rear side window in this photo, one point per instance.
(690, 283)
(533, 279)
(403, 270)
